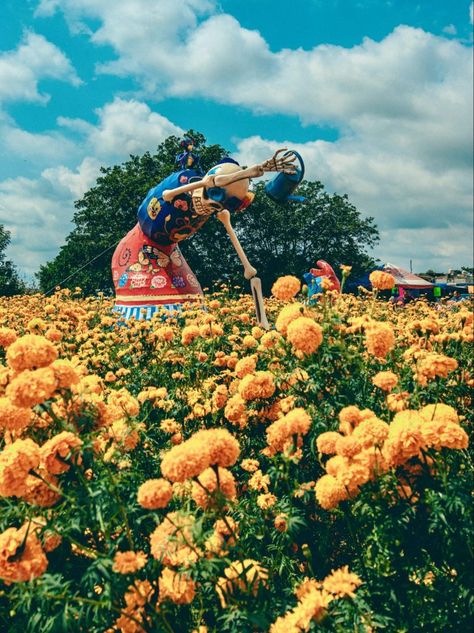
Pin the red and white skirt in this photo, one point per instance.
(149, 277)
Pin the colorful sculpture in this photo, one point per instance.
(148, 269)
(315, 277)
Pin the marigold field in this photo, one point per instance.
(200, 474)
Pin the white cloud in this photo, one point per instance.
(38, 211)
(402, 107)
(33, 60)
(129, 127)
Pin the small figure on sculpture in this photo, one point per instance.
(314, 280)
(148, 269)
(187, 159)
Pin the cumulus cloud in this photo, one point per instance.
(402, 107)
(35, 58)
(38, 211)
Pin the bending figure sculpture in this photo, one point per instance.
(148, 269)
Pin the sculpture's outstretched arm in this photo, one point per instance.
(277, 163)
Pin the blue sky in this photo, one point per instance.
(376, 96)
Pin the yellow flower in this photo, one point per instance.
(295, 423)
(385, 380)
(59, 451)
(404, 437)
(244, 576)
(258, 385)
(379, 339)
(203, 449)
(285, 288)
(154, 494)
(245, 366)
(288, 314)
(329, 492)
(305, 335)
(342, 583)
(21, 556)
(177, 587)
(172, 542)
(7, 336)
(206, 488)
(30, 352)
(129, 562)
(32, 387)
(13, 418)
(382, 280)
(326, 442)
(16, 461)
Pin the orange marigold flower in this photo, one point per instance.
(354, 475)
(219, 397)
(154, 494)
(381, 280)
(16, 461)
(245, 366)
(245, 576)
(288, 314)
(342, 583)
(7, 336)
(203, 449)
(349, 417)
(348, 446)
(258, 385)
(371, 432)
(30, 352)
(438, 433)
(129, 562)
(172, 541)
(404, 437)
(65, 373)
(440, 412)
(266, 500)
(13, 418)
(305, 335)
(398, 401)
(177, 587)
(189, 333)
(296, 422)
(326, 442)
(379, 339)
(434, 365)
(32, 387)
(207, 489)
(385, 380)
(236, 411)
(285, 288)
(21, 556)
(42, 492)
(329, 492)
(249, 465)
(281, 522)
(57, 452)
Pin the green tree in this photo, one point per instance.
(10, 282)
(278, 240)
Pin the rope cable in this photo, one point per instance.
(81, 268)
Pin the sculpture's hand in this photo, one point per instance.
(285, 163)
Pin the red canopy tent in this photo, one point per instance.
(405, 279)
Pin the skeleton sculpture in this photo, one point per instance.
(148, 269)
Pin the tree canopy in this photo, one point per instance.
(10, 282)
(277, 239)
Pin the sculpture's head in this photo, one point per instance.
(234, 197)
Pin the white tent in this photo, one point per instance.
(405, 279)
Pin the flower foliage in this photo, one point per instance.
(198, 473)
